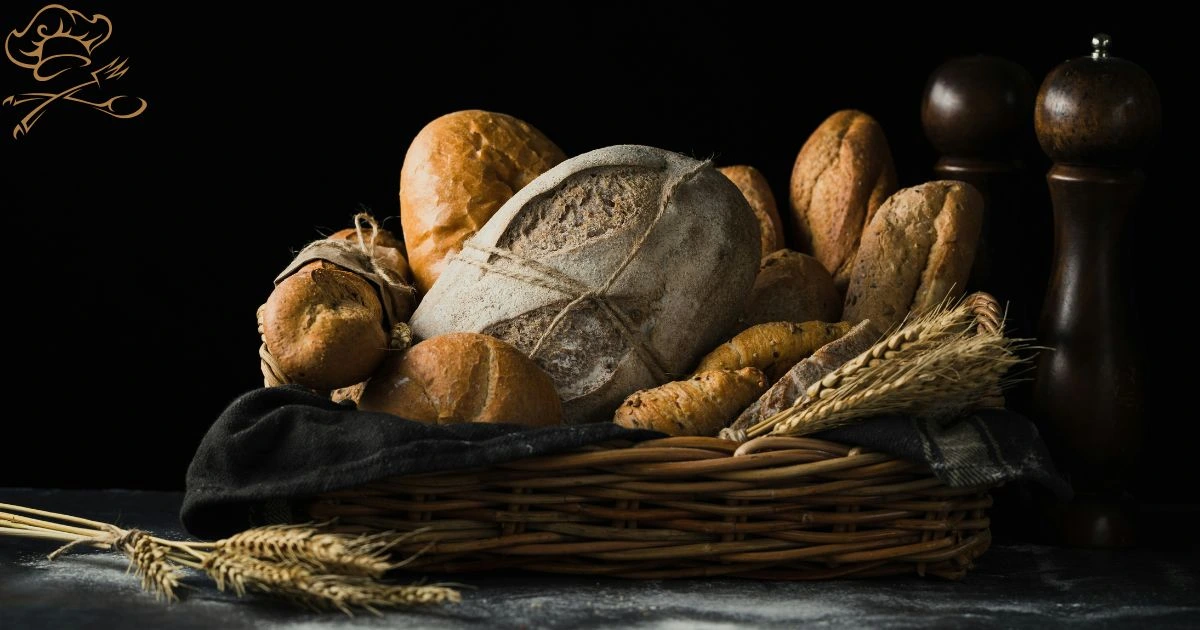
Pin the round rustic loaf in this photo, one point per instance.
(324, 325)
(457, 172)
(842, 174)
(757, 191)
(792, 287)
(463, 377)
(615, 271)
(916, 252)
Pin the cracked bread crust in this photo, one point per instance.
(457, 173)
(917, 250)
(464, 377)
(842, 175)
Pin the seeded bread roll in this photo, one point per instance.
(792, 287)
(323, 325)
(457, 173)
(917, 251)
(464, 377)
(842, 175)
(757, 191)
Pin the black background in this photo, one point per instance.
(140, 249)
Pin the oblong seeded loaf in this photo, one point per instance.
(915, 253)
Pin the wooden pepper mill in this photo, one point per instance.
(1096, 117)
(976, 112)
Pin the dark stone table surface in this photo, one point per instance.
(1012, 586)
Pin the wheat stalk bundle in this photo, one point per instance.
(938, 365)
(318, 569)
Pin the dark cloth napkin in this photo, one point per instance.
(273, 445)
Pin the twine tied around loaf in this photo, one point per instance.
(358, 256)
(538, 274)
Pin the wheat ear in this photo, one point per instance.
(323, 552)
(940, 364)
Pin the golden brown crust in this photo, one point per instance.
(917, 251)
(325, 327)
(758, 193)
(457, 173)
(464, 377)
(843, 173)
(792, 287)
(772, 347)
(701, 405)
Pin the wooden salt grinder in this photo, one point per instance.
(1096, 117)
(976, 112)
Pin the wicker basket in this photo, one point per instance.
(771, 508)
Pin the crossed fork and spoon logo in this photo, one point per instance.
(60, 41)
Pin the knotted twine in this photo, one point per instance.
(536, 273)
(358, 256)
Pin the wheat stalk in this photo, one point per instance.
(363, 555)
(938, 365)
(150, 560)
(320, 570)
(233, 568)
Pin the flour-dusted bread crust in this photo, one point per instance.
(457, 172)
(842, 174)
(916, 252)
(463, 377)
(576, 228)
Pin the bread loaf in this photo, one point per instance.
(757, 192)
(457, 172)
(916, 252)
(615, 271)
(701, 405)
(324, 325)
(843, 173)
(773, 347)
(790, 389)
(463, 377)
(329, 321)
(792, 287)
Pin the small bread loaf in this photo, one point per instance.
(917, 251)
(324, 325)
(773, 347)
(792, 287)
(700, 405)
(757, 191)
(463, 377)
(842, 175)
(457, 173)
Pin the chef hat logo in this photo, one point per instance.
(56, 40)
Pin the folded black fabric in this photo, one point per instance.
(273, 445)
